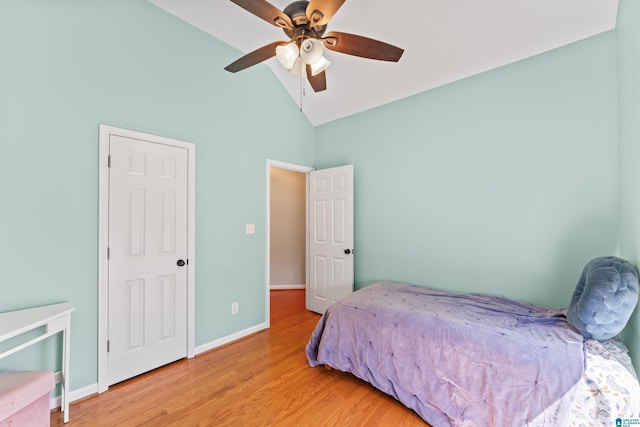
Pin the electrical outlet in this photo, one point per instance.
(250, 229)
(234, 308)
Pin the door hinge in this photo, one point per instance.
(109, 161)
(108, 252)
(108, 346)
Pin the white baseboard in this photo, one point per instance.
(229, 338)
(56, 402)
(81, 393)
(279, 287)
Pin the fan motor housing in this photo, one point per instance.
(297, 11)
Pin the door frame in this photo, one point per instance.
(103, 241)
(296, 168)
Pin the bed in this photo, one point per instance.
(481, 360)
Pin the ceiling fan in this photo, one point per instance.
(305, 23)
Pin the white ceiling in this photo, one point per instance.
(444, 41)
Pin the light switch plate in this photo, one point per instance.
(250, 229)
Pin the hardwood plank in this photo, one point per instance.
(261, 380)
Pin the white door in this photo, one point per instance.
(330, 236)
(147, 310)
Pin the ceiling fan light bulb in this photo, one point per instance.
(310, 50)
(287, 55)
(319, 66)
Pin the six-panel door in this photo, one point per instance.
(331, 236)
(147, 238)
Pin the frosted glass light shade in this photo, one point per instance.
(287, 55)
(299, 67)
(319, 66)
(311, 50)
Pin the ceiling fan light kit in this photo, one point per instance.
(319, 66)
(287, 55)
(298, 68)
(305, 22)
(294, 58)
(310, 51)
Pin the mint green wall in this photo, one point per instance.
(66, 67)
(628, 32)
(506, 182)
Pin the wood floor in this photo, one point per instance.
(261, 380)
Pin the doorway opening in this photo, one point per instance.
(287, 228)
(328, 235)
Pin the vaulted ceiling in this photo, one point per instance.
(444, 41)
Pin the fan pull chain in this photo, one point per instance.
(301, 90)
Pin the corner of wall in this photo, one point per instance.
(628, 43)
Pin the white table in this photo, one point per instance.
(56, 318)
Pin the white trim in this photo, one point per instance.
(230, 338)
(92, 389)
(285, 287)
(288, 166)
(307, 294)
(103, 271)
(191, 249)
(103, 240)
(291, 167)
(81, 393)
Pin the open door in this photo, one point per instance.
(330, 237)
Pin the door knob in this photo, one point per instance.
(181, 263)
(347, 251)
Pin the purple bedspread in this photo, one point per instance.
(456, 359)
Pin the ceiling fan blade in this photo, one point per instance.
(317, 82)
(255, 57)
(364, 47)
(320, 12)
(265, 10)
